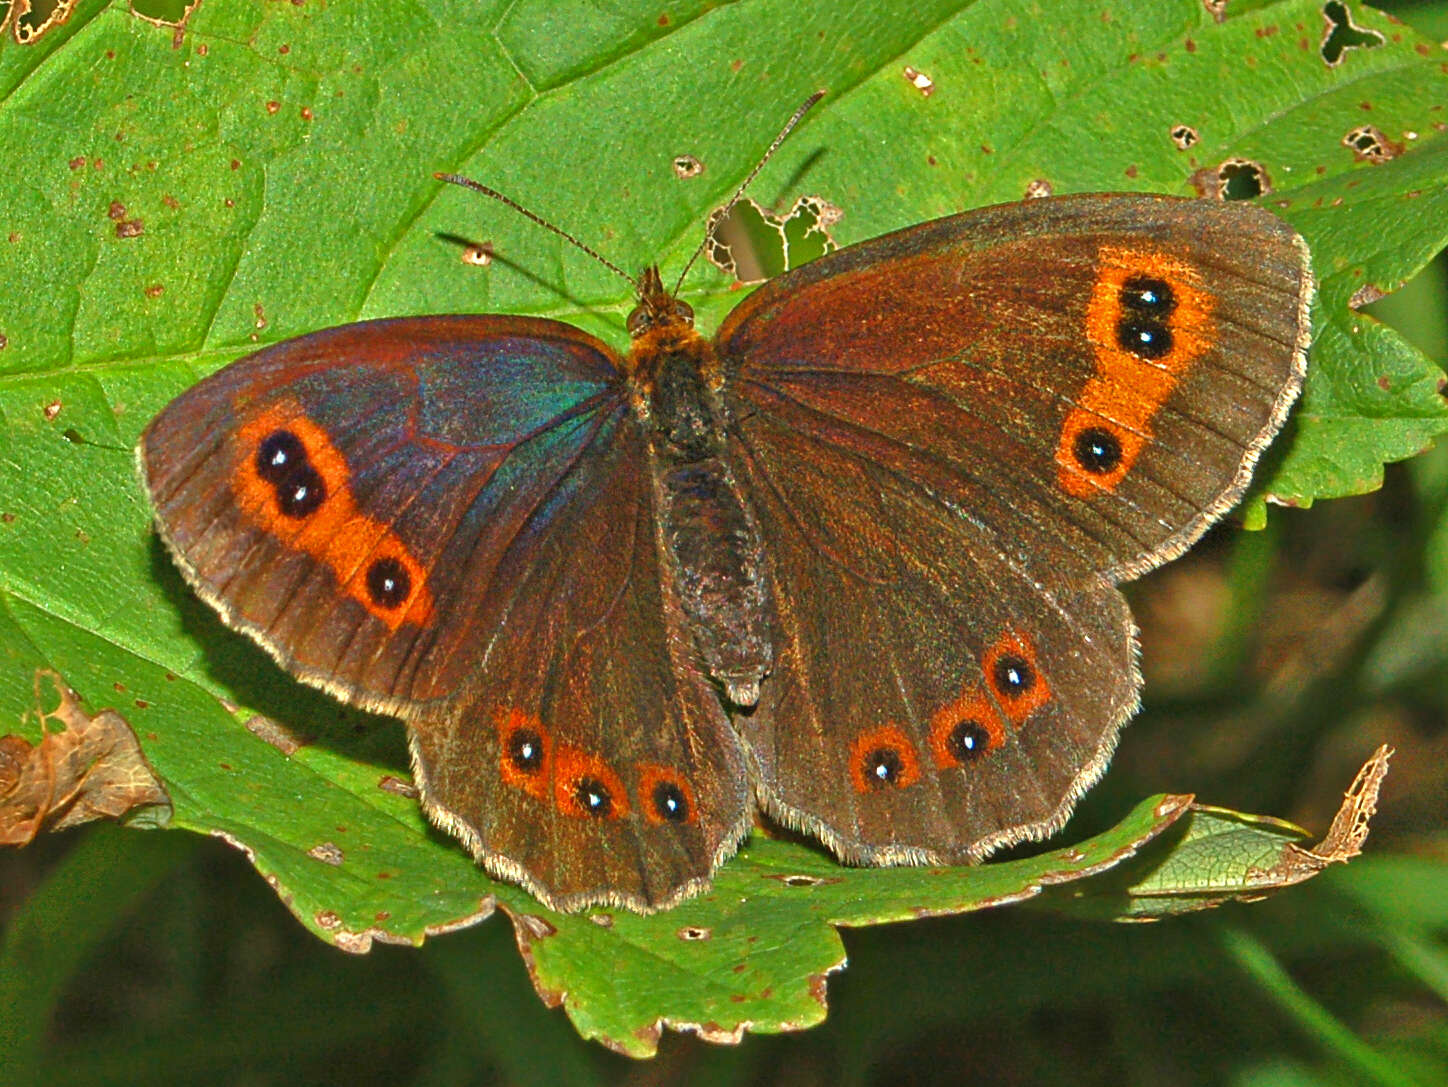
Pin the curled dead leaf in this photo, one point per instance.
(87, 767)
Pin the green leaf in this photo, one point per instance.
(177, 198)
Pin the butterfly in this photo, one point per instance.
(853, 561)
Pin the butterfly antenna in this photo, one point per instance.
(478, 186)
(769, 152)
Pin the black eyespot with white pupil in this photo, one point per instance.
(1148, 296)
(1097, 450)
(593, 797)
(388, 583)
(883, 766)
(525, 750)
(281, 460)
(279, 453)
(1146, 305)
(670, 803)
(302, 492)
(968, 740)
(1013, 676)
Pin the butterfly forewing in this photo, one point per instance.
(979, 356)
(339, 497)
(1003, 413)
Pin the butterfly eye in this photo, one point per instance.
(683, 311)
(639, 321)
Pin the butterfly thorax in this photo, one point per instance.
(708, 535)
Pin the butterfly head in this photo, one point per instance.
(658, 312)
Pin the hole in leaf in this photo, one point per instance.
(1368, 144)
(165, 12)
(753, 244)
(1340, 34)
(1233, 179)
(38, 16)
(687, 166)
(1184, 136)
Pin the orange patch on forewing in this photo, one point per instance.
(1017, 706)
(337, 533)
(534, 781)
(651, 776)
(572, 769)
(884, 738)
(972, 705)
(1127, 391)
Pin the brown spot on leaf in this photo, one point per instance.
(89, 768)
(117, 210)
(51, 410)
(480, 254)
(1038, 188)
(273, 106)
(131, 228)
(694, 932)
(154, 290)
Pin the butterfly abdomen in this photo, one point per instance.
(707, 532)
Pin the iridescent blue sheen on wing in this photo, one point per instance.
(453, 440)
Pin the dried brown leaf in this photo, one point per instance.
(87, 767)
